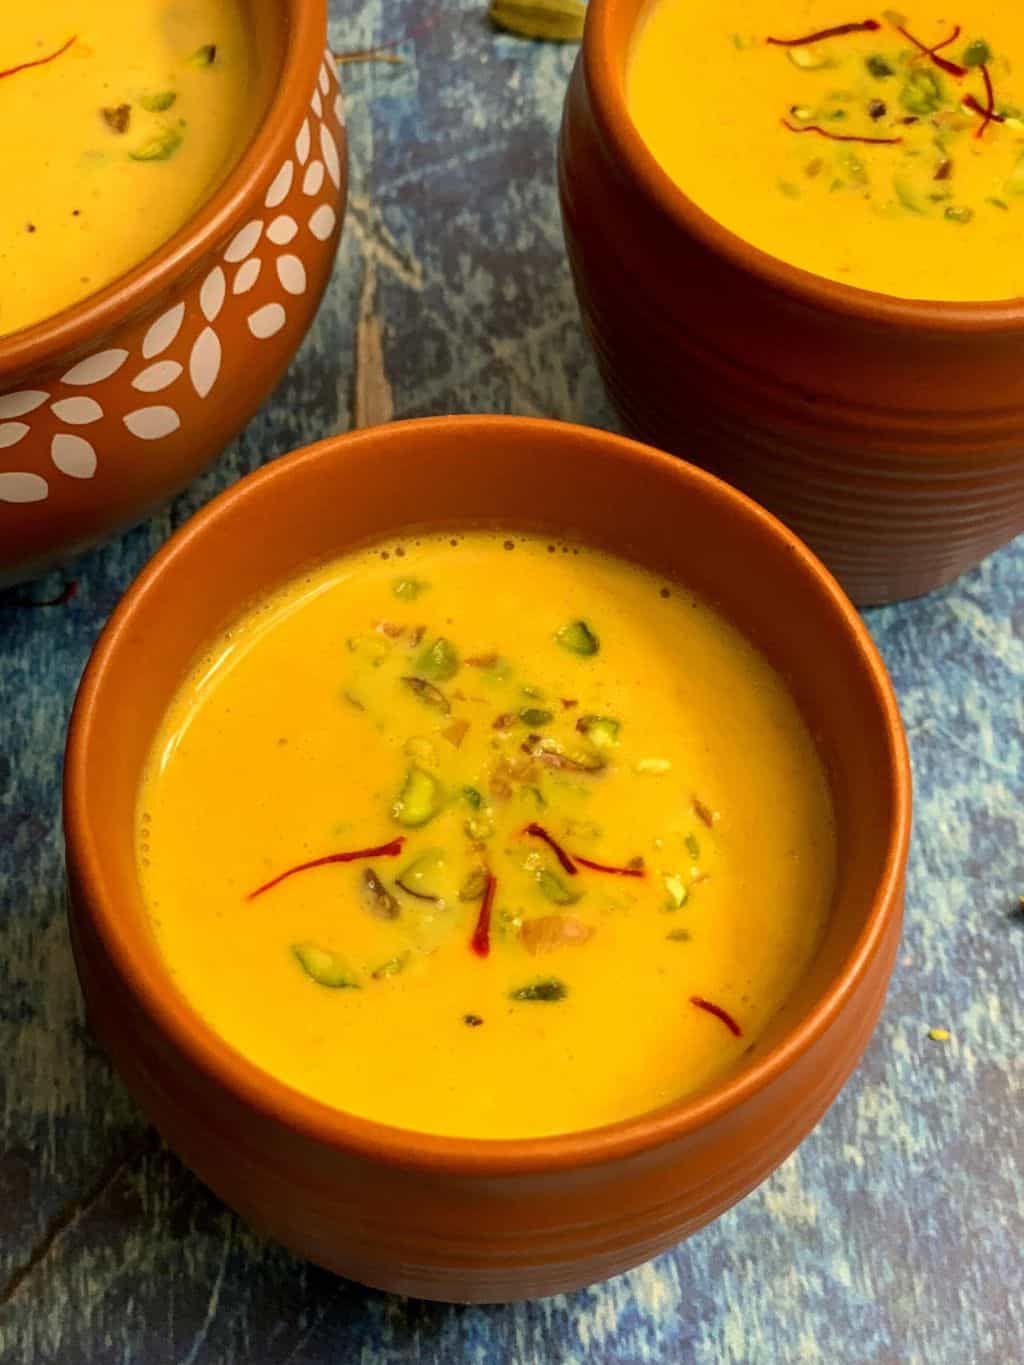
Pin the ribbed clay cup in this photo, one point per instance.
(450, 1218)
(112, 406)
(889, 434)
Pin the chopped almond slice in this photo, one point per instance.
(456, 732)
(550, 932)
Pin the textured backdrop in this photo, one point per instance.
(895, 1233)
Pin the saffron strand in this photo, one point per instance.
(864, 26)
(39, 61)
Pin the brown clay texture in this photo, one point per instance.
(458, 1219)
(888, 434)
(109, 408)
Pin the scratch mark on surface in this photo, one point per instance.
(213, 1303)
(373, 402)
(72, 1213)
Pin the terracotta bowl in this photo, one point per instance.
(445, 1218)
(109, 407)
(889, 434)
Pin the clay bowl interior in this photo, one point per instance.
(110, 406)
(888, 433)
(477, 1220)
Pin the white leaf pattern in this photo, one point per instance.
(302, 142)
(280, 186)
(156, 377)
(163, 331)
(17, 404)
(244, 242)
(329, 150)
(73, 455)
(267, 321)
(322, 221)
(282, 230)
(77, 412)
(248, 274)
(96, 368)
(211, 296)
(22, 488)
(204, 362)
(292, 274)
(151, 424)
(313, 180)
(11, 433)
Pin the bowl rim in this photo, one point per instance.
(130, 294)
(318, 1122)
(601, 59)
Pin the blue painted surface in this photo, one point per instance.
(896, 1231)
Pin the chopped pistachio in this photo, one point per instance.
(977, 53)
(547, 989)
(958, 213)
(692, 846)
(803, 113)
(555, 888)
(376, 897)
(679, 935)
(428, 694)
(472, 797)
(408, 589)
(158, 148)
(204, 56)
(158, 103)
(419, 799)
(324, 967)
(439, 661)
(536, 716)
(472, 1020)
(678, 894)
(787, 188)
(923, 92)
(578, 638)
(878, 67)
(998, 204)
(559, 21)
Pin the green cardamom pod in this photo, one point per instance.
(559, 21)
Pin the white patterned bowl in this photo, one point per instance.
(111, 406)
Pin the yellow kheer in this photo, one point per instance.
(117, 119)
(487, 836)
(884, 151)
